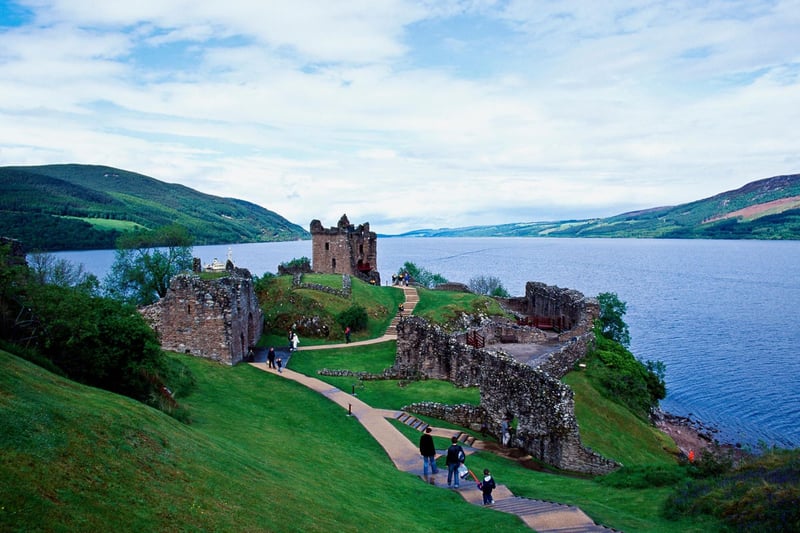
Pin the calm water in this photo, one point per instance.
(722, 315)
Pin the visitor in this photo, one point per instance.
(279, 365)
(487, 485)
(428, 452)
(295, 342)
(347, 334)
(271, 357)
(455, 456)
(505, 433)
(401, 308)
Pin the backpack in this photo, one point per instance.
(461, 456)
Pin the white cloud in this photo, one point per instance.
(314, 109)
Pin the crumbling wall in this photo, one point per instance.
(567, 308)
(543, 406)
(218, 319)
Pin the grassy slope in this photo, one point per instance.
(286, 304)
(262, 454)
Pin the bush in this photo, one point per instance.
(355, 316)
(488, 286)
(422, 276)
(98, 341)
(624, 379)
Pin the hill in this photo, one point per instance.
(262, 454)
(76, 207)
(763, 209)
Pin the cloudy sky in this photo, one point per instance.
(410, 114)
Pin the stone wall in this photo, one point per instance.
(568, 308)
(345, 249)
(502, 331)
(218, 319)
(542, 405)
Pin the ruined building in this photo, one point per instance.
(218, 319)
(345, 249)
(543, 406)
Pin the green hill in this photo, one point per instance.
(764, 209)
(262, 454)
(74, 207)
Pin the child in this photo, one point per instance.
(486, 486)
(279, 362)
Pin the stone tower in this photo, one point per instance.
(345, 249)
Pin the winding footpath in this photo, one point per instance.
(539, 515)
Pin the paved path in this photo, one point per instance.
(539, 515)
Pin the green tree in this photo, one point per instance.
(97, 341)
(612, 325)
(488, 286)
(422, 276)
(145, 261)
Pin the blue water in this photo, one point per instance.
(722, 315)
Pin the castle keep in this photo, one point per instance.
(345, 249)
(218, 319)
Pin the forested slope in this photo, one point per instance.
(74, 207)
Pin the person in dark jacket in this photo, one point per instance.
(271, 357)
(487, 485)
(455, 456)
(428, 452)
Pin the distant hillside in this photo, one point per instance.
(77, 207)
(764, 209)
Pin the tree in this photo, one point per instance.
(488, 286)
(422, 276)
(97, 341)
(145, 261)
(612, 325)
(46, 268)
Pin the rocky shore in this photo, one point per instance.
(691, 435)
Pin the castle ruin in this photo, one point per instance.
(542, 405)
(217, 319)
(345, 249)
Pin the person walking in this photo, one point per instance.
(487, 485)
(271, 357)
(505, 432)
(295, 341)
(279, 365)
(347, 334)
(428, 452)
(455, 456)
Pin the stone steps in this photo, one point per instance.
(411, 301)
(414, 422)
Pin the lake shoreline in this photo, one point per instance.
(693, 437)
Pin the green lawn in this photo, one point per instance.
(262, 454)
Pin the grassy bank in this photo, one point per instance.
(262, 454)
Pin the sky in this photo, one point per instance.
(410, 114)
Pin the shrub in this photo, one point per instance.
(355, 316)
(488, 286)
(623, 378)
(422, 276)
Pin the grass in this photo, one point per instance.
(261, 454)
(384, 394)
(285, 306)
(615, 432)
(110, 224)
(444, 307)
